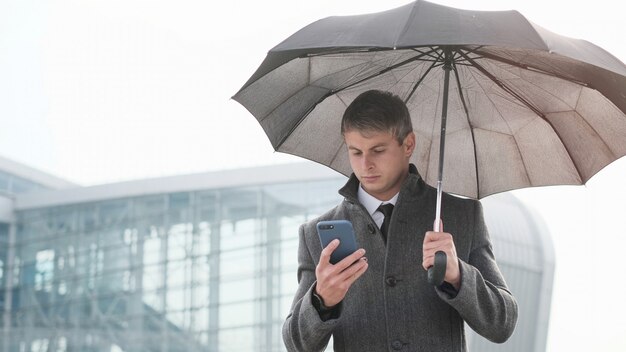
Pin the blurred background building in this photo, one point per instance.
(203, 262)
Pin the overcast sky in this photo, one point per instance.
(99, 91)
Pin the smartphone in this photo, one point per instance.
(337, 229)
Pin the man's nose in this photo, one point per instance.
(367, 162)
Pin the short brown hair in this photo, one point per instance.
(380, 111)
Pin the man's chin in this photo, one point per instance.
(371, 189)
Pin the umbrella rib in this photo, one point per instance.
(420, 81)
(530, 68)
(469, 123)
(335, 91)
(530, 106)
(383, 71)
(510, 91)
(503, 86)
(430, 53)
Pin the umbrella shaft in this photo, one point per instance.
(438, 215)
(447, 67)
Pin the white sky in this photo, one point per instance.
(99, 91)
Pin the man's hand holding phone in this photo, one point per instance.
(334, 280)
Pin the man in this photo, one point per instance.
(383, 302)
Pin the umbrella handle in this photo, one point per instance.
(437, 272)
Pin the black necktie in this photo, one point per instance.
(386, 209)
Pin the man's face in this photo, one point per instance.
(379, 162)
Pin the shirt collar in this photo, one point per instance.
(370, 202)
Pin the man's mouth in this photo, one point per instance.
(369, 178)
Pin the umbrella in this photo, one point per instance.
(514, 104)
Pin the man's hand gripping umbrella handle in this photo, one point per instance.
(437, 272)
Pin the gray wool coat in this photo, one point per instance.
(392, 307)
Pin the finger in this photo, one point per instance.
(340, 281)
(358, 273)
(349, 271)
(431, 245)
(429, 249)
(431, 236)
(428, 259)
(445, 245)
(442, 245)
(347, 261)
(328, 250)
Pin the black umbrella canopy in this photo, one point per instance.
(526, 107)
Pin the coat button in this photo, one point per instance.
(397, 345)
(391, 281)
(371, 229)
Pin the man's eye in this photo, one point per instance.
(378, 150)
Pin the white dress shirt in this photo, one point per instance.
(371, 204)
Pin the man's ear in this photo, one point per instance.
(409, 144)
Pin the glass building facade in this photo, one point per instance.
(12, 184)
(191, 267)
(16, 179)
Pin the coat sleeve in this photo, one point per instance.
(484, 300)
(303, 329)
